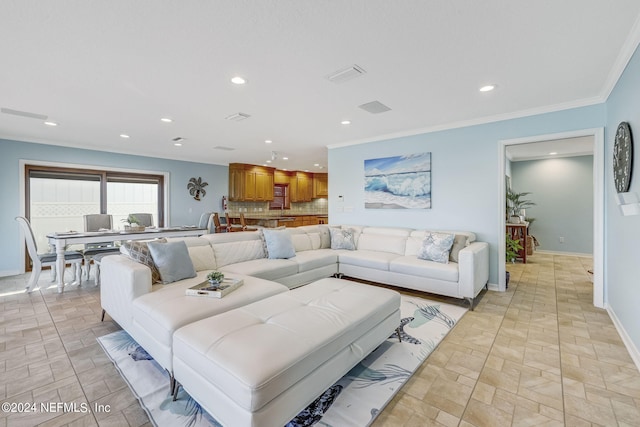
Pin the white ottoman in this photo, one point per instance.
(158, 314)
(261, 364)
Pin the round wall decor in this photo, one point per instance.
(622, 158)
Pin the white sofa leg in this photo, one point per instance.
(470, 303)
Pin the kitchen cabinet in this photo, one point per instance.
(320, 185)
(301, 187)
(249, 183)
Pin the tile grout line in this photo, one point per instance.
(75, 373)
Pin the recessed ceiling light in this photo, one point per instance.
(285, 158)
(50, 123)
(346, 122)
(237, 80)
(487, 88)
(125, 136)
(268, 141)
(268, 161)
(316, 164)
(553, 153)
(178, 144)
(166, 119)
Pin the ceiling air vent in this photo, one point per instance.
(23, 114)
(346, 74)
(220, 147)
(237, 117)
(374, 107)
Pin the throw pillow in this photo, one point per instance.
(459, 242)
(138, 251)
(172, 260)
(436, 247)
(342, 238)
(279, 244)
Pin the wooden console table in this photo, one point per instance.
(519, 232)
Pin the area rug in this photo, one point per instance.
(354, 400)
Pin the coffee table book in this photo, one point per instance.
(206, 289)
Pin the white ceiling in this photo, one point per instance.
(103, 68)
(567, 147)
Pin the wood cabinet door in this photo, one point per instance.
(264, 186)
(250, 185)
(236, 186)
(320, 185)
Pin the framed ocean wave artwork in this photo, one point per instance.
(399, 182)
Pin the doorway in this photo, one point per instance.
(598, 203)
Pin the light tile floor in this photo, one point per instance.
(538, 354)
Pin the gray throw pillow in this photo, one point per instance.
(279, 244)
(459, 242)
(436, 247)
(342, 238)
(172, 260)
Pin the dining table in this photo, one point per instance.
(60, 240)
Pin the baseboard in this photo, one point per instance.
(578, 254)
(633, 350)
(5, 273)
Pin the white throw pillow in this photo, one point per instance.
(343, 238)
(436, 247)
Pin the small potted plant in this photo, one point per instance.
(215, 277)
(133, 224)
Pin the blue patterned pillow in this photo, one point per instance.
(436, 247)
(342, 238)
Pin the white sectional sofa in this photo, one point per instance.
(153, 313)
(383, 254)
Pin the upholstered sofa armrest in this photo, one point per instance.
(473, 265)
(122, 281)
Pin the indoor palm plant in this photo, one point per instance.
(516, 203)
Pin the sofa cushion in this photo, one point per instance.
(172, 260)
(301, 242)
(235, 252)
(202, 257)
(436, 247)
(310, 260)
(264, 268)
(342, 238)
(369, 259)
(417, 267)
(279, 244)
(382, 243)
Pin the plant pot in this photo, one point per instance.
(514, 220)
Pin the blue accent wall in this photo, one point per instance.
(622, 233)
(464, 175)
(562, 190)
(183, 209)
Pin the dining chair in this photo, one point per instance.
(97, 222)
(145, 219)
(217, 225)
(231, 226)
(243, 224)
(46, 259)
(206, 222)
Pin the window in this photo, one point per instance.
(58, 198)
(280, 197)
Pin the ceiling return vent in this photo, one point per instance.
(346, 74)
(374, 107)
(237, 117)
(223, 148)
(23, 114)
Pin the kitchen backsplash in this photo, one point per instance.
(314, 207)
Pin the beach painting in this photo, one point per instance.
(400, 182)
